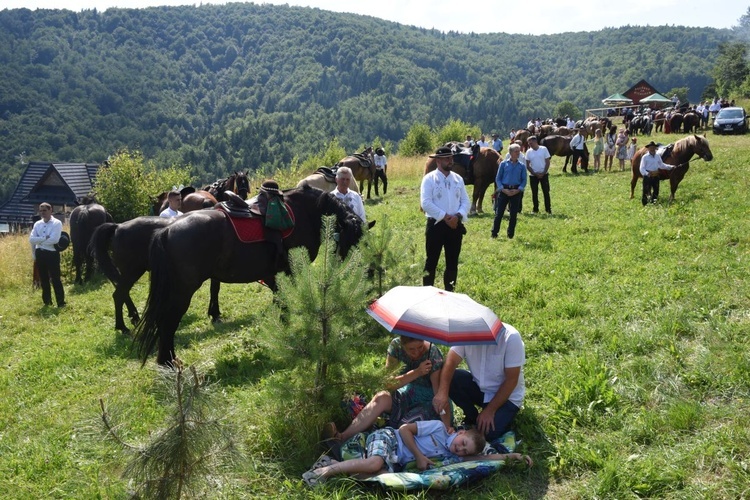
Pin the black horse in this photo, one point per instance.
(121, 251)
(215, 252)
(84, 219)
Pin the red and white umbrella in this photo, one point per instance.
(432, 314)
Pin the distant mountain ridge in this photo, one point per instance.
(243, 86)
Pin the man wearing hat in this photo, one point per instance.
(651, 163)
(381, 165)
(44, 235)
(445, 203)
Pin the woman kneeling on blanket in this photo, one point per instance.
(418, 442)
(414, 389)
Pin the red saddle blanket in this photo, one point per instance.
(251, 229)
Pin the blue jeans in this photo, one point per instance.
(466, 394)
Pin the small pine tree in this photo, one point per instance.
(178, 459)
(317, 319)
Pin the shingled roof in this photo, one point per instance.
(60, 184)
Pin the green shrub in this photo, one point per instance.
(418, 141)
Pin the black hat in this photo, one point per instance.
(63, 242)
(380, 151)
(652, 143)
(270, 186)
(443, 152)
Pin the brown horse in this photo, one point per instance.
(319, 180)
(363, 168)
(192, 199)
(485, 169)
(690, 122)
(680, 157)
(238, 183)
(559, 145)
(523, 136)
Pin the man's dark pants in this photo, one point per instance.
(380, 174)
(577, 154)
(465, 394)
(544, 181)
(438, 236)
(650, 185)
(503, 200)
(48, 264)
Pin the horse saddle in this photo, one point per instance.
(248, 226)
(235, 206)
(462, 155)
(364, 160)
(328, 173)
(665, 151)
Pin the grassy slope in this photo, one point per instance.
(635, 323)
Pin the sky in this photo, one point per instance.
(542, 17)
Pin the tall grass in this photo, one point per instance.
(635, 321)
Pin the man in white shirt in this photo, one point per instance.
(483, 142)
(577, 145)
(175, 203)
(445, 203)
(537, 163)
(350, 198)
(494, 382)
(381, 166)
(651, 163)
(44, 235)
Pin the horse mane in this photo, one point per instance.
(349, 224)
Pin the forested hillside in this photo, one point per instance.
(244, 86)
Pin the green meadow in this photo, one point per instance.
(635, 321)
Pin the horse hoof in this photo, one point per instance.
(217, 320)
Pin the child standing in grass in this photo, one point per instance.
(418, 441)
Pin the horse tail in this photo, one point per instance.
(78, 228)
(146, 333)
(99, 248)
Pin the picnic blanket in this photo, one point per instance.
(447, 473)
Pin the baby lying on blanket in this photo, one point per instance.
(418, 441)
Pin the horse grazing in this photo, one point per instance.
(238, 183)
(84, 219)
(319, 179)
(217, 253)
(680, 156)
(484, 168)
(363, 168)
(559, 145)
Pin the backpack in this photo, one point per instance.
(277, 216)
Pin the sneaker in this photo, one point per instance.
(312, 478)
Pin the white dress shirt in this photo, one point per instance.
(442, 195)
(353, 201)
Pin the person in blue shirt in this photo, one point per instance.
(388, 449)
(497, 143)
(510, 181)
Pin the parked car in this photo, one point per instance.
(731, 121)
